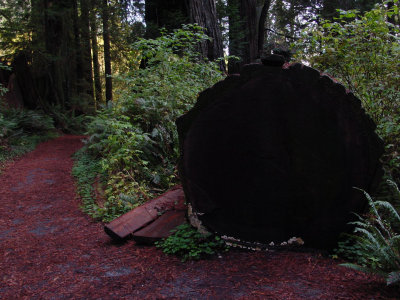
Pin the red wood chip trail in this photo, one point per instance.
(49, 249)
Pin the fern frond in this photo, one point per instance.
(363, 269)
(389, 207)
(369, 236)
(360, 224)
(395, 239)
(394, 186)
(393, 277)
(375, 211)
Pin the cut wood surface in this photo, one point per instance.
(160, 228)
(276, 152)
(143, 215)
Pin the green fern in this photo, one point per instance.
(377, 245)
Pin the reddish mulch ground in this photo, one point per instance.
(50, 250)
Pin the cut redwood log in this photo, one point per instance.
(160, 228)
(275, 152)
(143, 215)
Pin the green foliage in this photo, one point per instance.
(21, 131)
(3, 89)
(86, 170)
(68, 121)
(89, 173)
(135, 137)
(375, 246)
(188, 243)
(363, 51)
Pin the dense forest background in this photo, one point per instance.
(122, 71)
(63, 54)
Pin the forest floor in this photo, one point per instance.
(49, 249)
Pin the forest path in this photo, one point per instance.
(49, 249)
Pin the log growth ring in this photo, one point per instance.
(275, 153)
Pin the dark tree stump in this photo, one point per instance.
(275, 153)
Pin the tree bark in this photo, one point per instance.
(78, 76)
(243, 38)
(107, 47)
(261, 24)
(248, 13)
(169, 14)
(95, 49)
(54, 33)
(203, 12)
(86, 49)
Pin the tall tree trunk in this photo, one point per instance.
(170, 14)
(248, 13)
(261, 24)
(243, 38)
(78, 78)
(53, 26)
(107, 54)
(204, 13)
(86, 50)
(95, 49)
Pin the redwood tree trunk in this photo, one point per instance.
(95, 49)
(243, 25)
(78, 76)
(107, 54)
(203, 12)
(169, 14)
(54, 28)
(86, 49)
(249, 15)
(261, 24)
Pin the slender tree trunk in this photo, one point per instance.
(249, 14)
(243, 38)
(53, 27)
(86, 49)
(204, 13)
(235, 35)
(107, 54)
(261, 24)
(95, 49)
(78, 78)
(170, 14)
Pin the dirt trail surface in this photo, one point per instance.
(50, 250)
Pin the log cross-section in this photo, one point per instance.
(276, 152)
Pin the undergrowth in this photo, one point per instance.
(21, 131)
(89, 174)
(189, 244)
(134, 137)
(85, 171)
(375, 245)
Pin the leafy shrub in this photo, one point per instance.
(188, 243)
(135, 137)
(376, 247)
(363, 51)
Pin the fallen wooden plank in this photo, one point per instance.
(160, 228)
(141, 216)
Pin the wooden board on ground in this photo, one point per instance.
(143, 215)
(160, 228)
